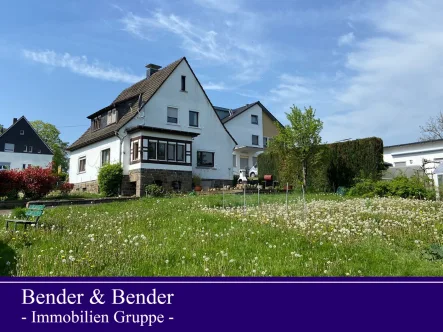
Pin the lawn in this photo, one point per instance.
(197, 236)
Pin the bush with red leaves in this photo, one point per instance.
(38, 182)
(65, 187)
(34, 182)
(11, 182)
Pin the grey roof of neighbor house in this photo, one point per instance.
(414, 143)
(226, 114)
(139, 93)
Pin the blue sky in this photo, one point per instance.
(369, 68)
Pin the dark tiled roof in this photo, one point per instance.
(146, 88)
(222, 112)
(240, 110)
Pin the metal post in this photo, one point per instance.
(287, 186)
(304, 202)
(258, 196)
(223, 199)
(244, 199)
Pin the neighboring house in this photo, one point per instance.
(413, 158)
(21, 147)
(162, 130)
(252, 126)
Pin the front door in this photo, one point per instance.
(244, 163)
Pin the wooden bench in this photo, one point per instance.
(33, 214)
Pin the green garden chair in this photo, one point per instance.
(33, 214)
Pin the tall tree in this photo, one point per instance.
(51, 135)
(298, 142)
(433, 129)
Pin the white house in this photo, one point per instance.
(252, 126)
(162, 129)
(21, 147)
(415, 158)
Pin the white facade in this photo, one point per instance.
(16, 160)
(242, 129)
(93, 156)
(415, 156)
(212, 135)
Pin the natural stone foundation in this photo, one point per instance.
(89, 186)
(169, 180)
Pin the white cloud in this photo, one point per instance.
(215, 86)
(346, 39)
(228, 6)
(81, 66)
(397, 74)
(390, 83)
(205, 44)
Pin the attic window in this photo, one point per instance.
(112, 116)
(254, 119)
(22, 132)
(96, 123)
(183, 83)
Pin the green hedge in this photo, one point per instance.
(337, 165)
(110, 177)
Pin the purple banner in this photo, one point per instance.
(220, 304)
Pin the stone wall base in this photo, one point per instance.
(169, 180)
(89, 186)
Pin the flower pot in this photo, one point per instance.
(198, 188)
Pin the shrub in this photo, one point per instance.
(400, 186)
(154, 190)
(196, 180)
(235, 180)
(65, 188)
(19, 213)
(335, 165)
(12, 183)
(110, 177)
(37, 182)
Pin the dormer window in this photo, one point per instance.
(112, 116)
(96, 123)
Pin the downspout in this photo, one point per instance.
(120, 151)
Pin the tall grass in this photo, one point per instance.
(195, 236)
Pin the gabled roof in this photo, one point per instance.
(240, 110)
(140, 92)
(33, 129)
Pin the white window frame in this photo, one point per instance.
(11, 147)
(78, 165)
(30, 149)
(101, 156)
(253, 116)
(26, 149)
(167, 115)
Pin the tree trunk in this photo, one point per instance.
(304, 175)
